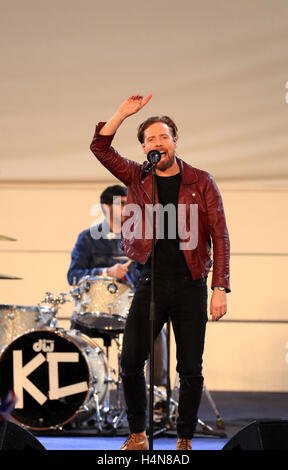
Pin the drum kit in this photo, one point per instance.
(62, 378)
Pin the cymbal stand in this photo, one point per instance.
(220, 423)
(206, 429)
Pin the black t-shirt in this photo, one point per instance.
(169, 259)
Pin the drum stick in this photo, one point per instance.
(128, 263)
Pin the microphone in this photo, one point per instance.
(154, 156)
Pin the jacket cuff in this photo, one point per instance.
(101, 142)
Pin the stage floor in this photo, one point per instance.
(236, 409)
(114, 443)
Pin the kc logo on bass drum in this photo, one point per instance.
(56, 375)
(21, 373)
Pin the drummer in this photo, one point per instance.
(95, 255)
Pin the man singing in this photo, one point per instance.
(181, 273)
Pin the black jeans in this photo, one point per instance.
(185, 302)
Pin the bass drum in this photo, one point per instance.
(58, 376)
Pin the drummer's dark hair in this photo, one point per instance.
(108, 193)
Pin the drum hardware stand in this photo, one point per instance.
(206, 429)
(107, 410)
(220, 423)
(97, 412)
(118, 419)
(168, 424)
(108, 380)
(54, 301)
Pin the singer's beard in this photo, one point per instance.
(166, 163)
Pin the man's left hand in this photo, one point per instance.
(218, 304)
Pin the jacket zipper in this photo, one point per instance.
(200, 261)
(147, 193)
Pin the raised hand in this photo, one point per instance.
(133, 104)
(130, 106)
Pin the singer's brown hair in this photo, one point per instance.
(151, 120)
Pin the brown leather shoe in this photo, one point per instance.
(183, 444)
(136, 441)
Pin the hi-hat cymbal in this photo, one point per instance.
(5, 276)
(9, 239)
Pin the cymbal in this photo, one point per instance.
(4, 276)
(9, 239)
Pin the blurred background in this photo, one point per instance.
(219, 69)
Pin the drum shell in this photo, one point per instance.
(103, 303)
(16, 319)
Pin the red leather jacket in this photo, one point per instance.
(196, 187)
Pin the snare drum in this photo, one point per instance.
(16, 319)
(56, 375)
(102, 303)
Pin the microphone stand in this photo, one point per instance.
(152, 314)
(154, 156)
